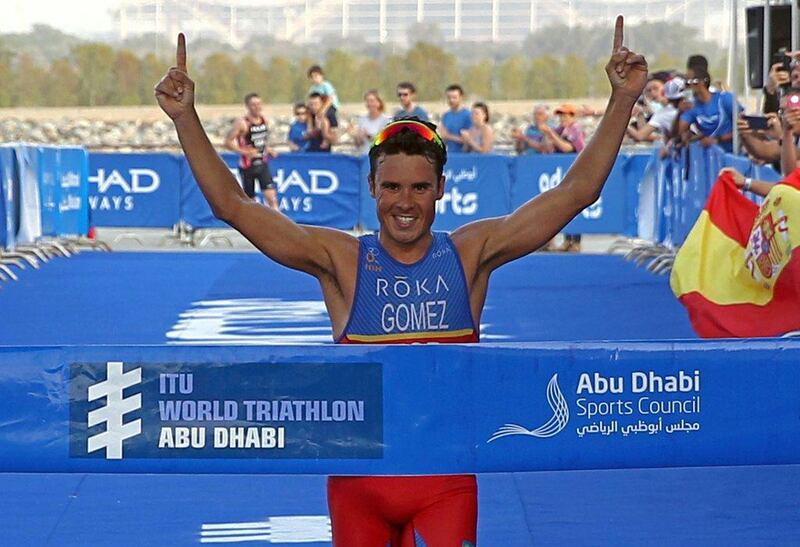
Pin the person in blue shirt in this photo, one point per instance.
(406, 93)
(454, 120)
(298, 141)
(533, 140)
(712, 113)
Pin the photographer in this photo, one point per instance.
(782, 132)
(784, 74)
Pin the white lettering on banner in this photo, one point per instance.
(69, 203)
(594, 211)
(109, 203)
(461, 204)
(320, 182)
(70, 179)
(142, 181)
(550, 181)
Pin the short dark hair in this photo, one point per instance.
(315, 95)
(702, 75)
(250, 96)
(696, 62)
(454, 87)
(299, 105)
(409, 143)
(407, 85)
(315, 69)
(484, 107)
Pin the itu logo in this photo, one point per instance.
(553, 426)
(114, 411)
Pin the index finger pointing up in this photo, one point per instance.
(618, 33)
(180, 59)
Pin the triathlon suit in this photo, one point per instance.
(397, 303)
(252, 169)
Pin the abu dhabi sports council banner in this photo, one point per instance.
(316, 189)
(536, 174)
(349, 410)
(477, 186)
(135, 190)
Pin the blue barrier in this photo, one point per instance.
(674, 189)
(135, 190)
(318, 189)
(30, 213)
(401, 409)
(10, 186)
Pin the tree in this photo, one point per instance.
(28, 82)
(599, 85)
(251, 77)
(300, 78)
(217, 81)
(433, 69)
(6, 76)
(573, 77)
(151, 70)
(512, 76)
(395, 70)
(340, 68)
(543, 77)
(95, 64)
(279, 87)
(127, 77)
(63, 84)
(477, 80)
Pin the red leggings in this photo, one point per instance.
(435, 511)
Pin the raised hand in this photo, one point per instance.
(627, 71)
(175, 91)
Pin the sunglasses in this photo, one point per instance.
(409, 125)
(693, 81)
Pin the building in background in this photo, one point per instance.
(304, 21)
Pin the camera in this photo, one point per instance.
(785, 61)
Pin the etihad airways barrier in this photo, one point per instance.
(158, 190)
(399, 409)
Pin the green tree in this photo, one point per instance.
(279, 86)
(300, 83)
(217, 81)
(573, 77)
(477, 80)
(127, 78)
(368, 75)
(251, 77)
(152, 69)
(543, 77)
(6, 74)
(95, 64)
(29, 81)
(599, 85)
(63, 84)
(340, 69)
(394, 71)
(512, 76)
(665, 61)
(433, 69)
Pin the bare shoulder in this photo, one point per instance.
(341, 247)
(470, 242)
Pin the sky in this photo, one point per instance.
(83, 17)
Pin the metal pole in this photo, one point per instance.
(766, 45)
(732, 55)
(795, 25)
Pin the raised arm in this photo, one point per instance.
(300, 247)
(503, 239)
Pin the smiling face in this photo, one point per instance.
(405, 189)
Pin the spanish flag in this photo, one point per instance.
(738, 272)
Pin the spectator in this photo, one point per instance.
(711, 115)
(661, 123)
(567, 138)
(699, 62)
(533, 139)
(297, 138)
(454, 120)
(330, 101)
(480, 137)
(369, 124)
(779, 144)
(249, 138)
(406, 93)
(321, 130)
(780, 78)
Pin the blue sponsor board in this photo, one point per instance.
(10, 189)
(445, 409)
(73, 191)
(134, 190)
(49, 189)
(536, 174)
(316, 189)
(218, 410)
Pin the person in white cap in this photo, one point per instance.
(663, 121)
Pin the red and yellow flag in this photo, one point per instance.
(738, 272)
